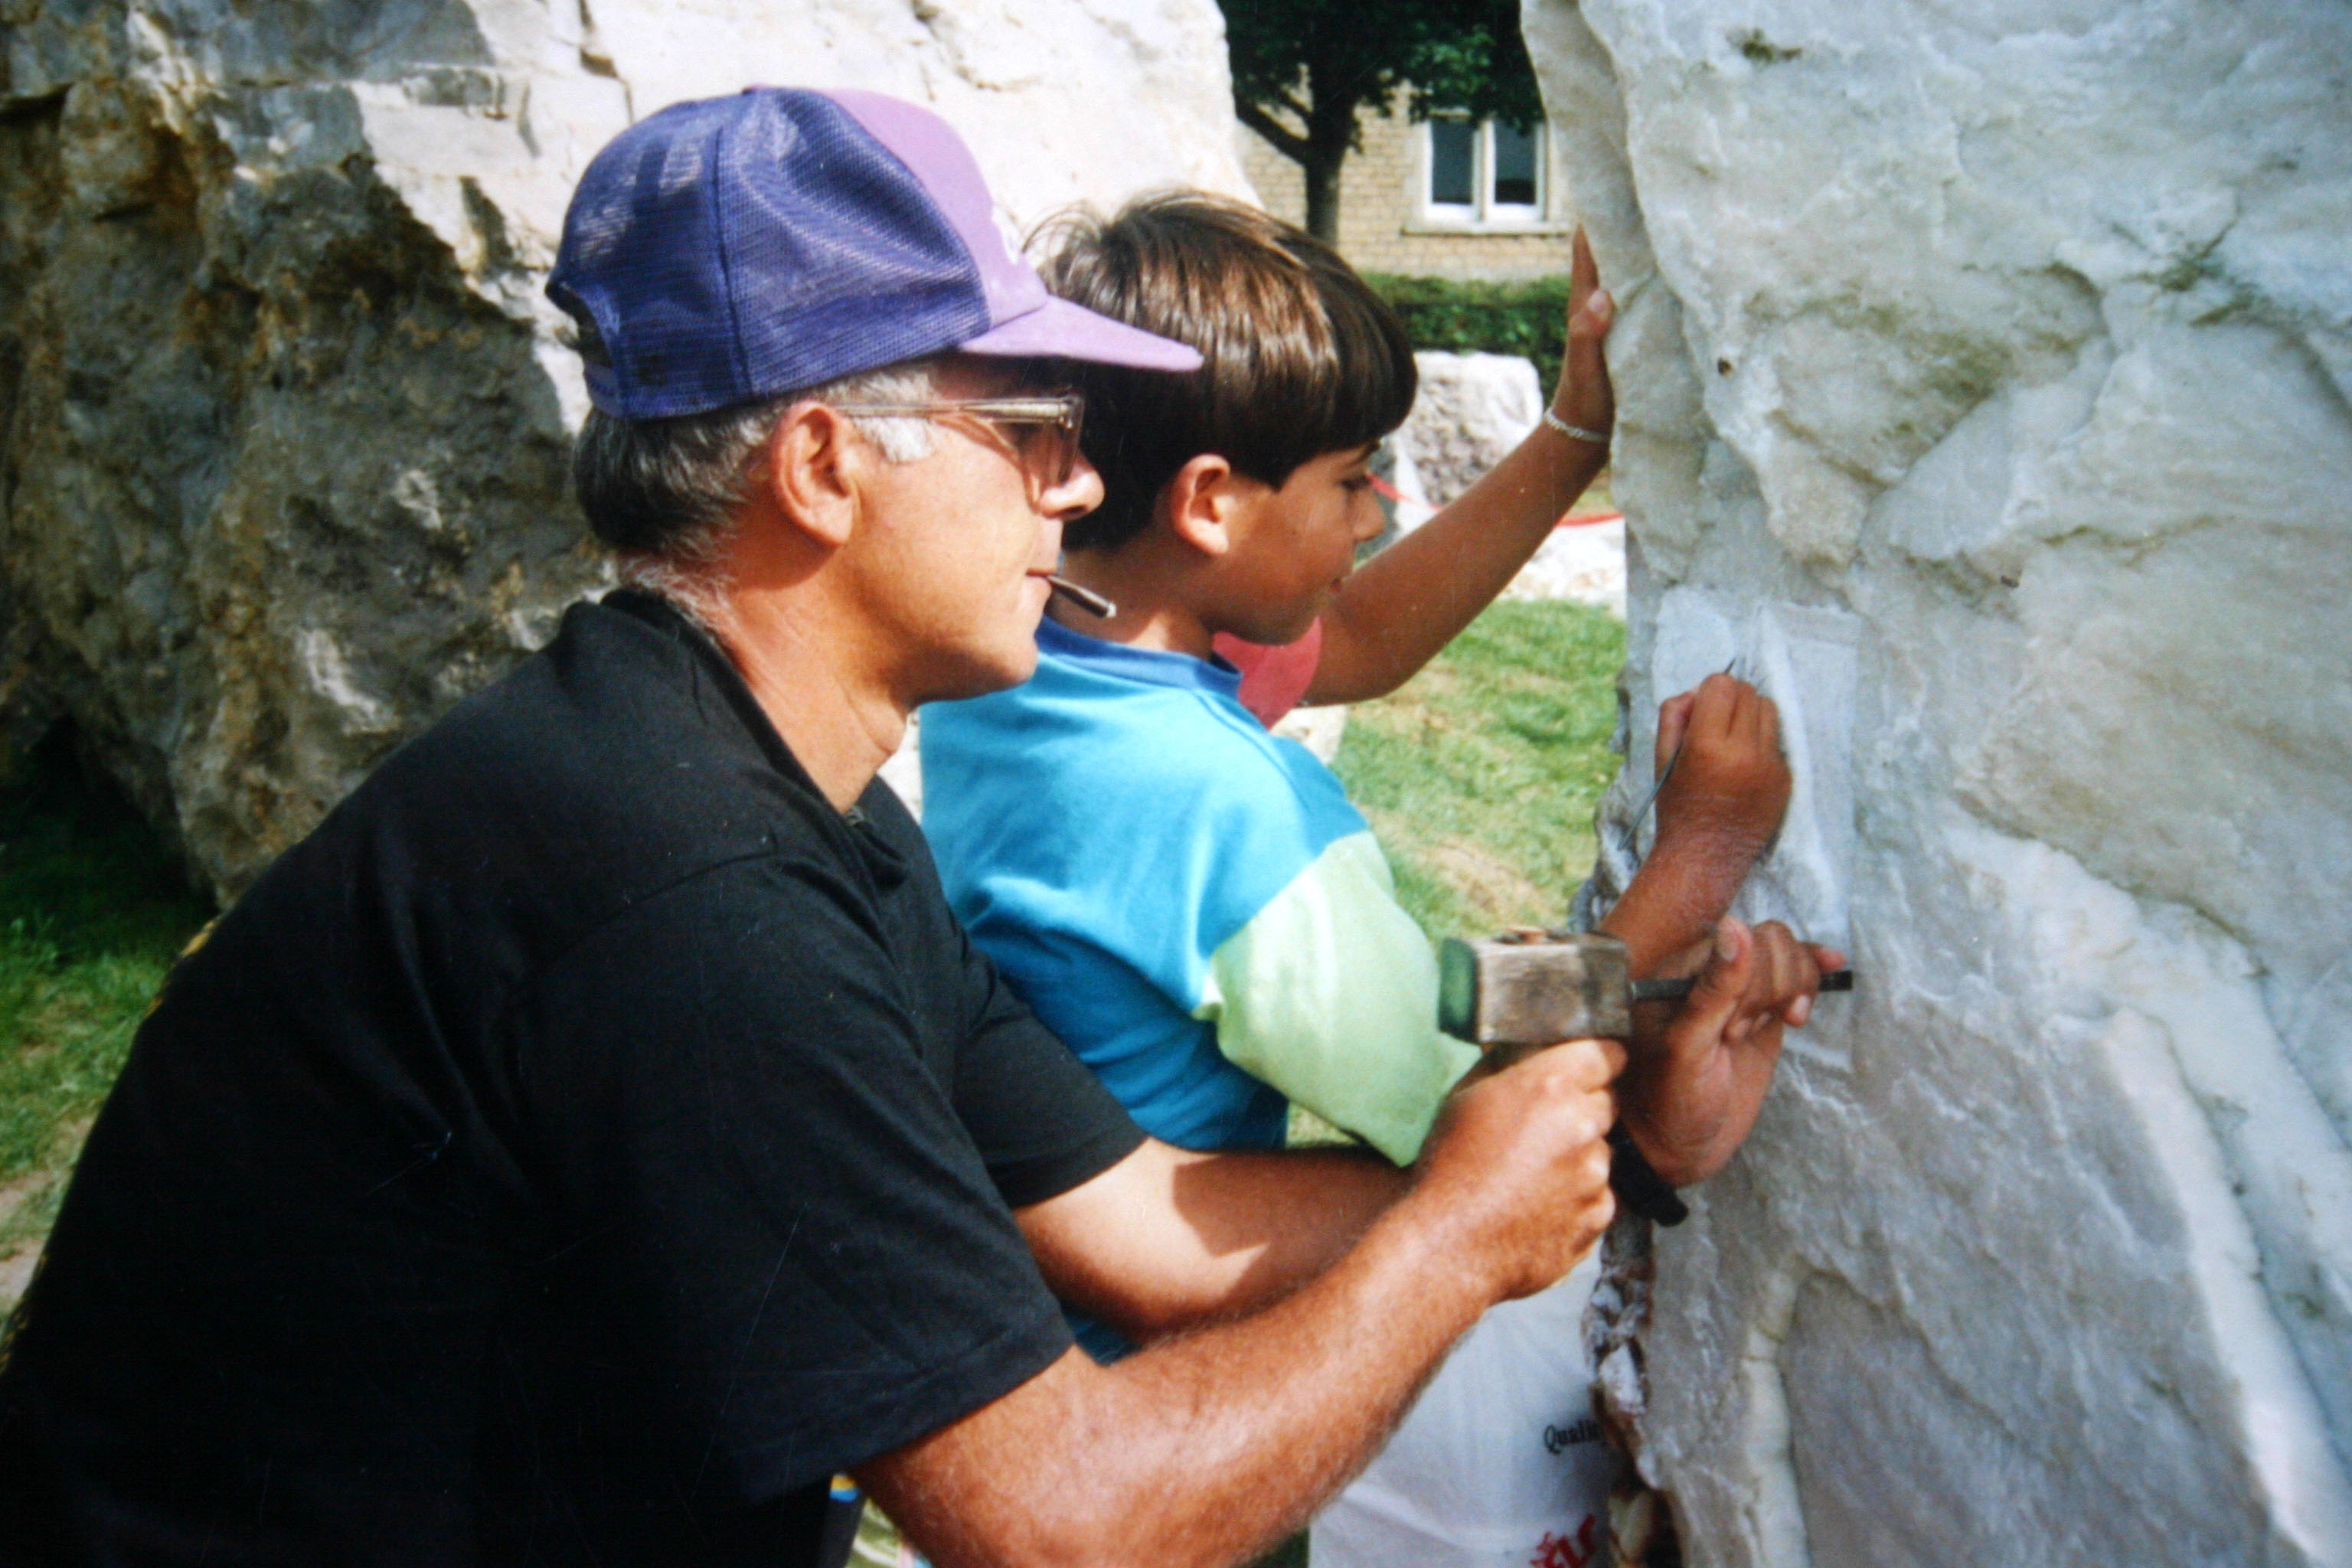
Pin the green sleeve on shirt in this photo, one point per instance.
(1329, 993)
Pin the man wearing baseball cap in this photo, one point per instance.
(598, 1134)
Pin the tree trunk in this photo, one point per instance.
(1323, 199)
(1333, 99)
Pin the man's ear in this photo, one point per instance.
(813, 472)
(1199, 503)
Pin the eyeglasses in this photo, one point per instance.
(1042, 431)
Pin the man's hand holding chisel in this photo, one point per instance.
(1696, 1078)
(1698, 1067)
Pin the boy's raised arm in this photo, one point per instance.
(1406, 604)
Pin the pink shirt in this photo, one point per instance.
(1273, 678)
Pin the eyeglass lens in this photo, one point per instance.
(1048, 448)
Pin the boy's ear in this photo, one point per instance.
(1198, 504)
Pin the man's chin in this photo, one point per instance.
(1021, 666)
(978, 678)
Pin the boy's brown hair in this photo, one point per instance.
(1300, 356)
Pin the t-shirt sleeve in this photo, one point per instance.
(1329, 993)
(1042, 1123)
(773, 1218)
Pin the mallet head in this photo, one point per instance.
(1533, 987)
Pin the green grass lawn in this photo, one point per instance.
(1480, 777)
(92, 912)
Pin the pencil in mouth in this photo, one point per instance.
(1087, 599)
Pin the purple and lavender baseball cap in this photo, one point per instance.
(736, 248)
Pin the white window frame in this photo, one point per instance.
(1483, 212)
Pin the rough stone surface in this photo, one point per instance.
(1985, 371)
(282, 417)
(1471, 411)
(1583, 559)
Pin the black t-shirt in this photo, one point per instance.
(578, 1150)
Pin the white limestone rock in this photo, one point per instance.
(1471, 411)
(1583, 561)
(1985, 380)
(285, 418)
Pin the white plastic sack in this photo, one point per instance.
(1500, 1465)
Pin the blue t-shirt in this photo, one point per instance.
(1191, 902)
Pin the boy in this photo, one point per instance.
(1190, 904)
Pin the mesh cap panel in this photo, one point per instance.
(738, 248)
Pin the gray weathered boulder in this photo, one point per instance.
(1471, 411)
(1985, 384)
(285, 423)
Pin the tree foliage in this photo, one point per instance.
(1305, 69)
(1446, 55)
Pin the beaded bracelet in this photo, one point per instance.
(1575, 432)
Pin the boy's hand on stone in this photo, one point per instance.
(1725, 789)
(1730, 784)
(1689, 1095)
(1584, 398)
(1515, 1176)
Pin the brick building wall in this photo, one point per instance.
(1383, 222)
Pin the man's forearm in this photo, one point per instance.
(1198, 1451)
(1169, 1238)
(1205, 1448)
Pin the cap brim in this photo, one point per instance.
(1059, 329)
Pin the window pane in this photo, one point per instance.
(1515, 168)
(1450, 146)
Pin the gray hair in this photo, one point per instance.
(663, 493)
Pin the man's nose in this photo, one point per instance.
(1075, 496)
(1369, 519)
